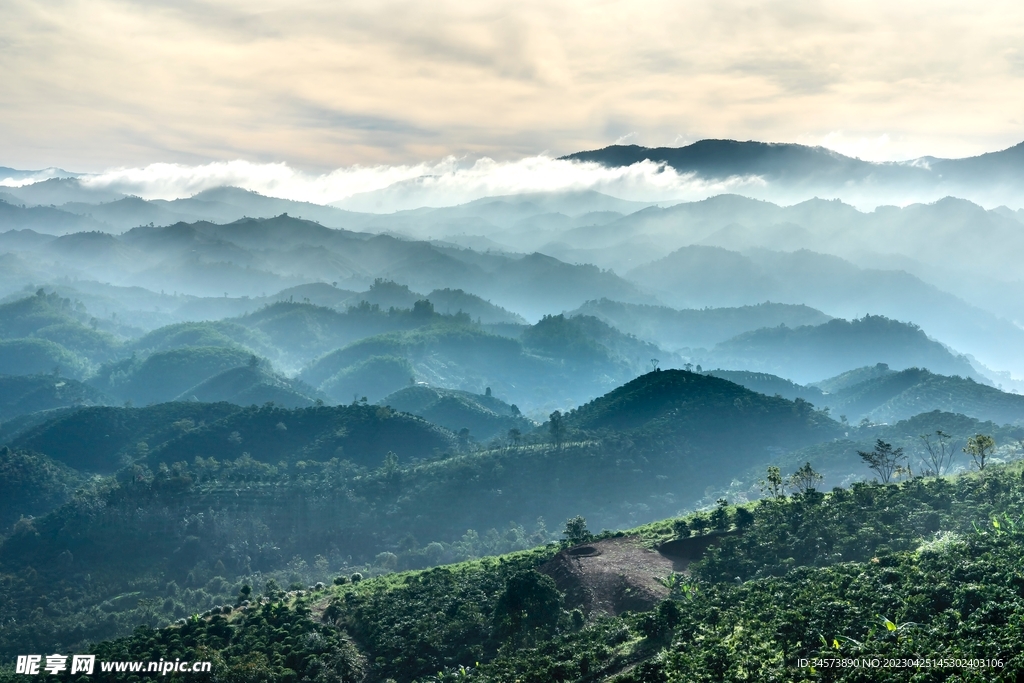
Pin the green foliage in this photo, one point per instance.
(25, 394)
(163, 376)
(102, 439)
(374, 378)
(773, 484)
(887, 396)
(804, 479)
(31, 356)
(575, 531)
(31, 485)
(851, 574)
(809, 353)
(528, 609)
(221, 333)
(486, 417)
(57, 319)
(980, 447)
(884, 460)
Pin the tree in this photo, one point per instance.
(699, 523)
(720, 515)
(391, 472)
(556, 428)
(940, 452)
(744, 518)
(528, 607)
(575, 531)
(980, 447)
(804, 479)
(515, 437)
(772, 485)
(884, 460)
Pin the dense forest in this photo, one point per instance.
(924, 571)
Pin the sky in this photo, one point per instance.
(109, 84)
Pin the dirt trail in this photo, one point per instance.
(613, 575)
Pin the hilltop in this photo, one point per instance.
(810, 353)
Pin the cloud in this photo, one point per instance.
(446, 182)
(92, 84)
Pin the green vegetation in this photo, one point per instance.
(485, 416)
(457, 301)
(220, 333)
(103, 439)
(701, 328)
(924, 569)
(372, 379)
(32, 356)
(810, 353)
(165, 375)
(25, 394)
(253, 384)
(770, 385)
(886, 396)
(31, 485)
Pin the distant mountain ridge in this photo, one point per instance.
(720, 159)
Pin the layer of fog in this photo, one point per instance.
(453, 181)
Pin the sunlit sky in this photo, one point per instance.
(90, 85)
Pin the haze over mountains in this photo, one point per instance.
(255, 393)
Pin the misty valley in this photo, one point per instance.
(548, 436)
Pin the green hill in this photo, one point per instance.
(770, 385)
(485, 416)
(360, 434)
(38, 356)
(894, 396)
(251, 385)
(556, 362)
(300, 332)
(870, 572)
(103, 439)
(31, 485)
(165, 375)
(59, 320)
(451, 301)
(811, 353)
(369, 379)
(676, 329)
(845, 380)
(671, 401)
(207, 333)
(24, 317)
(445, 355)
(21, 395)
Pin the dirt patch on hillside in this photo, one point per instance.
(612, 576)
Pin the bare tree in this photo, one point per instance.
(940, 452)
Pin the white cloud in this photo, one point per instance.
(442, 183)
(878, 148)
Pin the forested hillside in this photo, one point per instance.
(923, 571)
